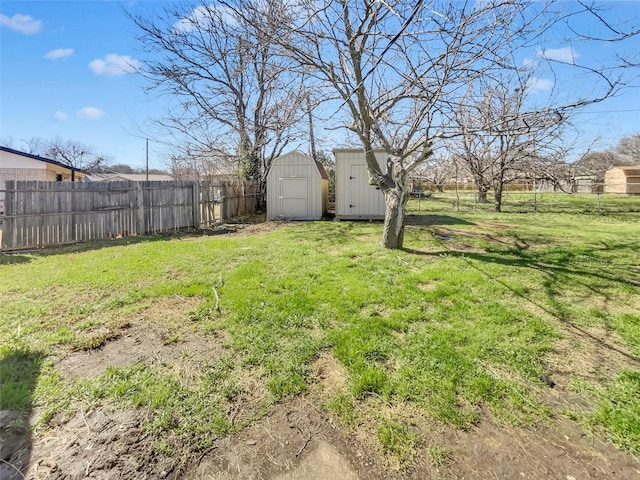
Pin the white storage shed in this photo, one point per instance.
(355, 198)
(297, 188)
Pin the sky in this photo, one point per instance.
(67, 70)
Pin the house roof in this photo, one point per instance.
(133, 177)
(39, 158)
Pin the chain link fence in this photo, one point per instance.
(519, 201)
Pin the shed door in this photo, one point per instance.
(365, 199)
(294, 193)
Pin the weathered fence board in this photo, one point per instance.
(39, 214)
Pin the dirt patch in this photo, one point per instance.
(99, 445)
(296, 441)
(560, 452)
(330, 374)
(149, 336)
(253, 225)
(14, 444)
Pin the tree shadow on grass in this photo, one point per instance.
(27, 255)
(19, 370)
(435, 220)
(559, 271)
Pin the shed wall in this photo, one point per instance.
(355, 198)
(622, 180)
(295, 189)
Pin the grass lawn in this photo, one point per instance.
(481, 316)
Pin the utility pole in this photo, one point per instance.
(312, 140)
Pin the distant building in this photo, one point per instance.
(624, 180)
(17, 165)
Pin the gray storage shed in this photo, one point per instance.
(297, 188)
(355, 198)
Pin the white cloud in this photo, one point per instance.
(59, 53)
(188, 24)
(199, 16)
(529, 62)
(92, 113)
(21, 23)
(60, 116)
(114, 65)
(564, 54)
(539, 85)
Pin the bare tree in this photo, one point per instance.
(437, 170)
(398, 68)
(501, 140)
(35, 145)
(235, 95)
(204, 167)
(74, 155)
(394, 66)
(630, 147)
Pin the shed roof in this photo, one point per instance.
(360, 150)
(41, 159)
(319, 166)
(629, 170)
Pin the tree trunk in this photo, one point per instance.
(395, 200)
(498, 199)
(481, 196)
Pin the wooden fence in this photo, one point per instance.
(40, 214)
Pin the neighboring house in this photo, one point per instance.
(16, 165)
(624, 180)
(587, 184)
(131, 177)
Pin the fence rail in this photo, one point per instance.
(39, 214)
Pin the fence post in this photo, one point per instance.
(195, 190)
(8, 223)
(224, 207)
(140, 227)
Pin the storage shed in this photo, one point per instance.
(297, 188)
(624, 180)
(355, 198)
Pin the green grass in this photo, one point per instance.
(397, 439)
(439, 456)
(530, 202)
(618, 411)
(461, 323)
(19, 370)
(343, 408)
